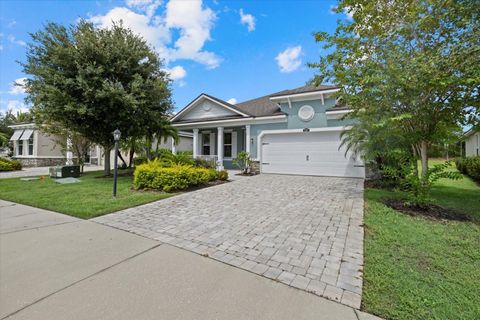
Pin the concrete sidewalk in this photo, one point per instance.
(54, 266)
(39, 171)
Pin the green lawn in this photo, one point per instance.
(417, 268)
(90, 198)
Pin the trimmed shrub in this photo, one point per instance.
(469, 166)
(223, 175)
(153, 175)
(9, 165)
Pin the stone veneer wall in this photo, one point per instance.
(255, 167)
(40, 162)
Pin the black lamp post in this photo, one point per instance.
(116, 137)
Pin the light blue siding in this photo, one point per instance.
(255, 131)
(318, 121)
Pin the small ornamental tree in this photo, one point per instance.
(413, 65)
(92, 81)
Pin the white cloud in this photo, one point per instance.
(190, 18)
(147, 6)
(17, 86)
(247, 19)
(289, 59)
(176, 73)
(14, 40)
(152, 31)
(16, 106)
(194, 23)
(347, 10)
(232, 101)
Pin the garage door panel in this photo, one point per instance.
(313, 153)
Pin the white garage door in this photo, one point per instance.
(308, 153)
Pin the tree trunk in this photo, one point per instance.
(121, 158)
(130, 157)
(148, 148)
(106, 164)
(424, 157)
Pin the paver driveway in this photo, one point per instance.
(303, 231)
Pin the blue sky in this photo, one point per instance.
(230, 49)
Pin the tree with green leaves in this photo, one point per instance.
(93, 81)
(413, 65)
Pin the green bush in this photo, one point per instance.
(204, 163)
(222, 175)
(153, 175)
(139, 160)
(469, 166)
(9, 165)
(168, 159)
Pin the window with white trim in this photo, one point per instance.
(30, 146)
(205, 144)
(20, 148)
(227, 144)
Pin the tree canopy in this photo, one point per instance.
(93, 81)
(411, 66)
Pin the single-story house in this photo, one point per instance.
(471, 142)
(288, 132)
(35, 148)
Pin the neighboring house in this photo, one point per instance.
(471, 142)
(35, 148)
(289, 132)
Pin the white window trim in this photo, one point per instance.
(225, 132)
(33, 145)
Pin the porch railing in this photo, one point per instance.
(209, 158)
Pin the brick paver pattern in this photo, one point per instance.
(306, 232)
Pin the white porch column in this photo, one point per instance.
(195, 143)
(247, 138)
(69, 152)
(174, 147)
(220, 149)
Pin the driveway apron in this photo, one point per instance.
(306, 232)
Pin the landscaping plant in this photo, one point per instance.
(243, 162)
(9, 165)
(94, 80)
(410, 67)
(153, 175)
(469, 166)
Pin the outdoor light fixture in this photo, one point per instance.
(251, 140)
(116, 137)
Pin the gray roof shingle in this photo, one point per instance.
(304, 89)
(263, 106)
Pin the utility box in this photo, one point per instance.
(64, 171)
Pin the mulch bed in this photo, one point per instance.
(431, 211)
(246, 174)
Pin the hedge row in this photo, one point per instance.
(469, 166)
(9, 165)
(153, 175)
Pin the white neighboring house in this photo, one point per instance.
(471, 141)
(34, 148)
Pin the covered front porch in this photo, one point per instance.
(221, 144)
